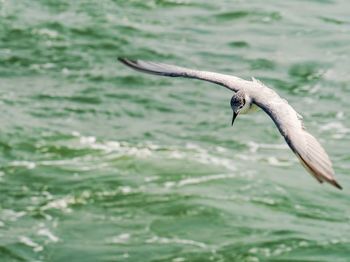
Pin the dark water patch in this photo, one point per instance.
(46, 97)
(47, 112)
(24, 60)
(55, 26)
(92, 90)
(262, 63)
(174, 3)
(313, 251)
(95, 100)
(279, 84)
(136, 80)
(306, 71)
(89, 32)
(241, 14)
(134, 113)
(194, 29)
(239, 44)
(61, 58)
(181, 207)
(95, 77)
(5, 147)
(264, 250)
(56, 6)
(19, 37)
(233, 15)
(105, 45)
(333, 21)
(59, 152)
(10, 253)
(205, 221)
(318, 214)
(149, 54)
(153, 106)
(135, 200)
(91, 111)
(132, 31)
(221, 55)
(295, 86)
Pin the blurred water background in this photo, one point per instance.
(102, 163)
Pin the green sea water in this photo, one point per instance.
(102, 163)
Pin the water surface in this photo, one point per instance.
(101, 163)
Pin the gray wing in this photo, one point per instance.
(309, 151)
(230, 82)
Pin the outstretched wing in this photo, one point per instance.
(230, 82)
(309, 151)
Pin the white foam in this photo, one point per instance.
(61, 204)
(46, 32)
(337, 128)
(197, 180)
(254, 147)
(164, 240)
(179, 259)
(120, 239)
(47, 233)
(11, 215)
(125, 189)
(26, 164)
(87, 140)
(274, 161)
(30, 243)
(146, 150)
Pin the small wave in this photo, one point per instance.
(120, 239)
(274, 161)
(26, 164)
(198, 180)
(47, 233)
(337, 128)
(148, 149)
(11, 215)
(64, 203)
(254, 147)
(50, 33)
(331, 20)
(239, 44)
(164, 240)
(30, 243)
(237, 15)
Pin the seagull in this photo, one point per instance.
(249, 95)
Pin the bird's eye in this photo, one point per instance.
(242, 104)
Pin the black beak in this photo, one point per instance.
(234, 117)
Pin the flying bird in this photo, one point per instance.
(247, 96)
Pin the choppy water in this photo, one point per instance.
(101, 163)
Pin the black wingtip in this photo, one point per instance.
(335, 183)
(126, 61)
(131, 63)
(121, 59)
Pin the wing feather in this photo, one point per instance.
(230, 82)
(305, 146)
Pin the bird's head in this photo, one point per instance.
(237, 103)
